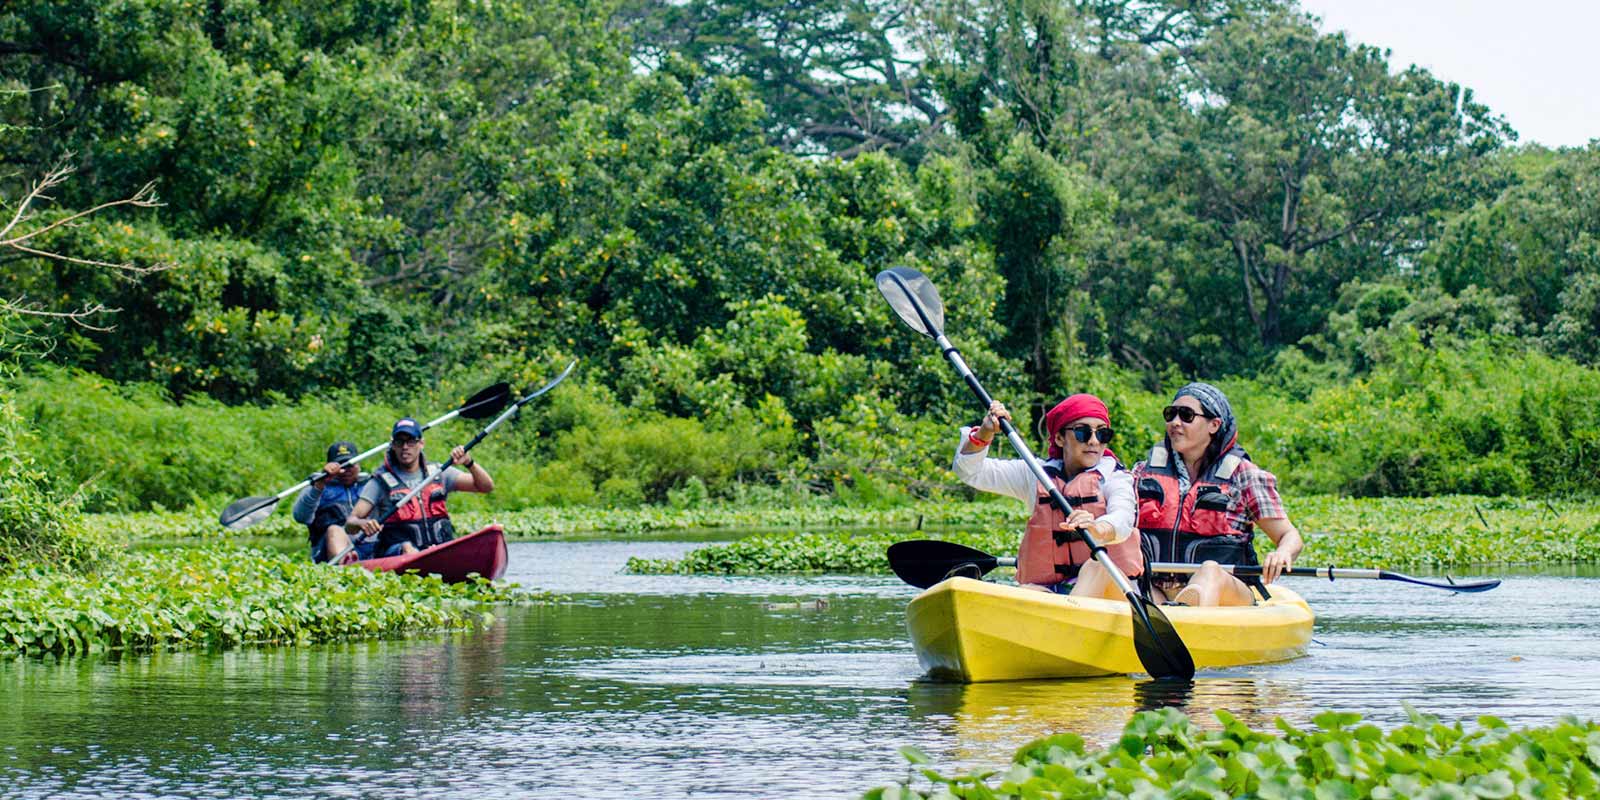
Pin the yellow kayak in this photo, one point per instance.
(974, 631)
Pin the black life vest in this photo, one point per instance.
(424, 522)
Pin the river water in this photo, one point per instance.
(722, 687)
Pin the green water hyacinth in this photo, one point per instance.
(1391, 532)
(218, 596)
(1163, 754)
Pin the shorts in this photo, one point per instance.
(326, 518)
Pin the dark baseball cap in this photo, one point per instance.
(341, 451)
(407, 426)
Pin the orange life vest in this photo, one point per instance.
(1050, 555)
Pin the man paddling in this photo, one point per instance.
(423, 521)
(324, 505)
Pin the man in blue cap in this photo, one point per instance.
(324, 506)
(423, 521)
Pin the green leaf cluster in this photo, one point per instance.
(218, 596)
(1165, 754)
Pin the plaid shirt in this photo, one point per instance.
(1258, 497)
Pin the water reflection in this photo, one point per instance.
(668, 686)
(989, 721)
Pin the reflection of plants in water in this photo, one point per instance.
(1166, 754)
(989, 720)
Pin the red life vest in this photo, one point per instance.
(1050, 555)
(424, 522)
(1193, 527)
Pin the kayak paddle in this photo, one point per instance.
(916, 301)
(248, 511)
(925, 562)
(514, 410)
(1333, 573)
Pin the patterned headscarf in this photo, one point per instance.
(1215, 403)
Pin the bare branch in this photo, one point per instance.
(79, 317)
(16, 242)
(144, 198)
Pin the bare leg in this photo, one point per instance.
(1211, 586)
(335, 542)
(407, 547)
(1094, 581)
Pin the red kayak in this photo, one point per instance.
(482, 553)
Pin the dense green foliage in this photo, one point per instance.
(1165, 754)
(375, 208)
(219, 596)
(40, 521)
(1442, 532)
(365, 195)
(1479, 419)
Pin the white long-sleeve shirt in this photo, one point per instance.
(1012, 478)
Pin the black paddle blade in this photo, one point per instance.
(1161, 651)
(925, 562)
(914, 298)
(1450, 585)
(244, 513)
(487, 403)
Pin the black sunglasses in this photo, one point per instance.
(1083, 432)
(1184, 413)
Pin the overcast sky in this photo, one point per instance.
(1534, 62)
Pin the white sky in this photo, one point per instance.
(1535, 62)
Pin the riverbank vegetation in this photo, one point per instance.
(1437, 532)
(216, 597)
(552, 521)
(373, 202)
(363, 210)
(1165, 754)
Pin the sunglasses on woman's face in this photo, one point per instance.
(1083, 432)
(1184, 413)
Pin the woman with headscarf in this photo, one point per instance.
(1086, 473)
(1200, 500)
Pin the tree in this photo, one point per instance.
(1316, 166)
(1537, 242)
(837, 77)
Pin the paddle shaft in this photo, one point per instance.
(1333, 573)
(362, 456)
(1173, 567)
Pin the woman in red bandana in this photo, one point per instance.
(1087, 474)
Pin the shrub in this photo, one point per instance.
(38, 522)
(1164, 754)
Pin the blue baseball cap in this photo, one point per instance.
(407, 426)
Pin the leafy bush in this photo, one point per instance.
(39, 523)
(1165, 754)
(1478, 420)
